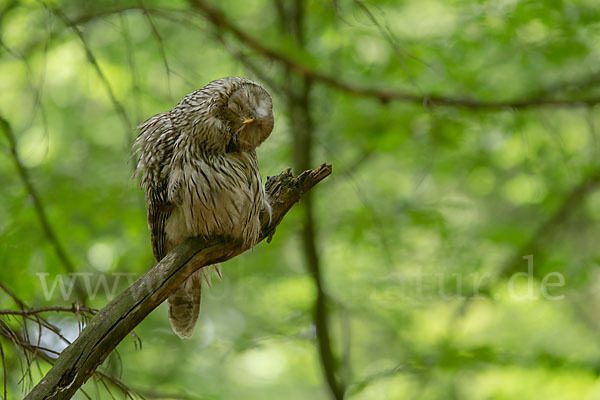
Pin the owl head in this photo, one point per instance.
(248, 111)
(228, 115)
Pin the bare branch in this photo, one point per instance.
(33, 352)
(114, 322)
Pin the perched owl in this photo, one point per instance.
(200, 176)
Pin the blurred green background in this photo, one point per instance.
(432, 205)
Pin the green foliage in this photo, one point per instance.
(423, 196)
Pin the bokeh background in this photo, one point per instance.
(464, 136)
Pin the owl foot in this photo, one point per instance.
(208, 279)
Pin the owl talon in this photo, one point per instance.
(208, 279)
(218, 271)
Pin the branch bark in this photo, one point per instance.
(112, 324)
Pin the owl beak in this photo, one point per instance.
(248, 121)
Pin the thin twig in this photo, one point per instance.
(35, 351)
(31, 316)
(75, 309)
(13, 296)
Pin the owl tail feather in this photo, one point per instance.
(184, 305)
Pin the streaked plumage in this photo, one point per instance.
(200, 175)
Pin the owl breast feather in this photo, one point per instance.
(220, 196)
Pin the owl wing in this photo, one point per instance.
(155, 145)
(158, 213)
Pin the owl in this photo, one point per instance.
(200, 176)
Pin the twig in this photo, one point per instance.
(75, 309)
(114, 322)
(25, 312)
(34, 352)
(38, 206)
(217, 18)
(12, 296)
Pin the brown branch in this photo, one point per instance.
(220, 21)
(112, 324)
(39, 206)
